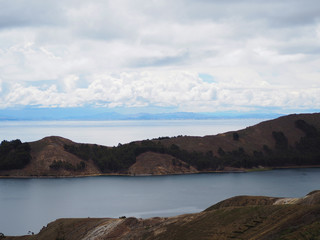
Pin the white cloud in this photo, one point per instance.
(150, 53)
(69, 82)
(183, 90)
(21, 95)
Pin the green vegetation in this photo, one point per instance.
(14, 154)
(306, 151)
(235, 136)
(107, 159)
(281, 141)
(119, 159)
(57, 165)
(309, 146)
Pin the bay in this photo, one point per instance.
(28, 204)
(110, 133)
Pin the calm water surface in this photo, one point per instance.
(110, 133)
(28, 204)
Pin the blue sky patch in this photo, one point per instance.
(207, 77)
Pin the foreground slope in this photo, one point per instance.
(292, 140)
(242, 217)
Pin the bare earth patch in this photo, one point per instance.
(151, 163)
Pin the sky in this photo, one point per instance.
(178, 56)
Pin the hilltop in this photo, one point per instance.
(241, 217)
(287, 141)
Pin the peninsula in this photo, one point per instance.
(288, 141)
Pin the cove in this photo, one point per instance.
(28, 204)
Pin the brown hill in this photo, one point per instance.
(243, 217)
(47, 151)
(251, 138)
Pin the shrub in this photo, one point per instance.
(235, 136)
(14, 154)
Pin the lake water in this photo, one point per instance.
(110, 133)
(28, 204)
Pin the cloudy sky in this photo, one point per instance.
(183, 55)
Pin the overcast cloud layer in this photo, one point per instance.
(192, 55)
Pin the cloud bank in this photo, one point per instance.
(201, 56)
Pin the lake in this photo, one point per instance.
(110, 133)
(28, 204)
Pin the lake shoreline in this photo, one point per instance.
(159, 175)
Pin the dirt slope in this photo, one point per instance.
(151, 163)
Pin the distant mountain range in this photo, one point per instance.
(46, 114)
